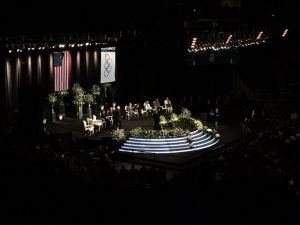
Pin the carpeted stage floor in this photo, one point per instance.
(229, 130)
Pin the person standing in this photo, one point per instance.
(117, 118)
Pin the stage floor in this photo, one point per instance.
(229, 131)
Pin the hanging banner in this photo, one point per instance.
(108, 66)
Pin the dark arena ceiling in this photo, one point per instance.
(168, 22)
(37, 17)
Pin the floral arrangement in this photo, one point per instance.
(79, 95)
(118, 135)
(197, 124)
(63, 93)
(95, 90)
(162, 120)
(89, 99)
(185, 113)
(139, 132)
(52, 98)
(174, 117)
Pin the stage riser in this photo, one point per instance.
(170, 144)
(170, 150)
(166, 147)
(150, 142)
(200, 140)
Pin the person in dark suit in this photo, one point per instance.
(156, 115)
(117, 118)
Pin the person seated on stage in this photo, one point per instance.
(129, 111)
(156, 105)
(102, 112)
(136, 110)
(168, 105)
(108, 117)
(147, 107)
(114, 105)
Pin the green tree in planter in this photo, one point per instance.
(89, 99)
(79, 99)
(52, 98)
(113, 90)
(95, 91)
(106, 90)
(60, 102)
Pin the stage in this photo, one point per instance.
(229, 131)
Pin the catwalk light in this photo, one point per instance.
(259, 35)
(229, 39)
(284, 32)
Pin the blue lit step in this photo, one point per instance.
(165, 147)
(204, 138)
(162, 144)
(166, 151)
(201, 140)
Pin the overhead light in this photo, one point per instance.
(228, 39)
(284, 33)
(259, 35)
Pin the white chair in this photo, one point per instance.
(98, 123)
(136, 114)
(144, 113)
(89, 128)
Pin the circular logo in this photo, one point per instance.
(107, 66)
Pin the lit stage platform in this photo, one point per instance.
(159, 152)
(200, 140)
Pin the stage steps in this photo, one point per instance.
(201, 140)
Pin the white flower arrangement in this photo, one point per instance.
(185, 113)
(89, 99)
(52, 98)
(118, 135)
(209, 130)
(174, 117)
(95, 90)
(198, 124)
(79, 95)
(162, 120)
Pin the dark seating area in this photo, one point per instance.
(251, 180)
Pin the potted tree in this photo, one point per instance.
(79, 99)
(52, 98)
(89, 99)
(61, 104)
(95, 91)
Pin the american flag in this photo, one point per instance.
(61, 67)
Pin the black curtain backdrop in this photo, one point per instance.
(29, 69)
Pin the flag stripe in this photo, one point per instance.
(61, 65)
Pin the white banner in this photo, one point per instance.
(108, 64)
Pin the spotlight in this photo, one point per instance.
(259, 35)
(228, 39)
(284, 33)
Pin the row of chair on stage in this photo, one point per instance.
(135, 111)
(91, 123)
